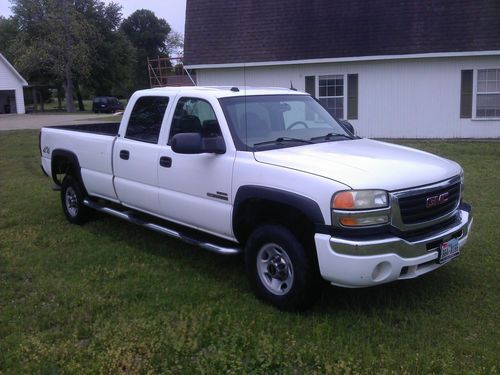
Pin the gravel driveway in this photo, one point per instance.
(17, 122)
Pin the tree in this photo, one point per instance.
(8, 33)
(54, 38)
(149, 35)
(112, 67)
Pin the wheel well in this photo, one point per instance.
(65, 163)
(61, 165)
(256, 211)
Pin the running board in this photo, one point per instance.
(128, 216)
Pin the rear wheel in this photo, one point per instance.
(72, 201)
(280, 269)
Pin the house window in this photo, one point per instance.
(331, 94)
(488, 93)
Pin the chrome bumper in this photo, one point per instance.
(418, 245)
(360, 263)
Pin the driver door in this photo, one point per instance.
(195, 190)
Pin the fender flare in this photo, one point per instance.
(307, 206)
(73, 160)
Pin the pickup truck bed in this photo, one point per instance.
(104, 128)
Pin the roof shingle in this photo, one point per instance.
(229, 31)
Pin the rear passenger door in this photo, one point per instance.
(135, 154)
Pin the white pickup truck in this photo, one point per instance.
(269, 173)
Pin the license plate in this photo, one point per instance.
(448, 251)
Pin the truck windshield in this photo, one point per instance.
(264, 122)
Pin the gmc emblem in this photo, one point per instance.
(436, 200)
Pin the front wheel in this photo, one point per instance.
(280, 269)
(72, 201)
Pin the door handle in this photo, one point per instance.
(124, 154)
(166, 161)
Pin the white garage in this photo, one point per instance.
(11, 88)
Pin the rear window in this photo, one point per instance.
(146, 119)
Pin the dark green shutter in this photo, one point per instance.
(466, 94)
(352, 96)
(311, 85)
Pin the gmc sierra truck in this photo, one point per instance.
(268, 173)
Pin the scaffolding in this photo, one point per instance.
(169, 71)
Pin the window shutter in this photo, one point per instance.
(311, 85)
(352, 96)
(466, 94)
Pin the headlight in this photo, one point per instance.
(356, 208)
(360, 199)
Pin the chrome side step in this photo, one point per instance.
(161, 229)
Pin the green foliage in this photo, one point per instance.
(150, 36)
(52, 42)
(53, 35)
(114, 58)
(8, 33)
(110, 297)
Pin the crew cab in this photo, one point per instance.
(269, 173)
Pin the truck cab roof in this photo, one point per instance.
(225, 91)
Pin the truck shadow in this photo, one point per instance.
(229, 272)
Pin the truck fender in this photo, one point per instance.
(308, 207)
(72, 160)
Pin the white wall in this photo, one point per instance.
(397, 98)
(9, 81)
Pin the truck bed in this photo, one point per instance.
(104, 128)
(91, 145)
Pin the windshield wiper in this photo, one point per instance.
(283, 139)
(331, 135)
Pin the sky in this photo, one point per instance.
(174, 11)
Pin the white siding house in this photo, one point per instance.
(397, 97)
(394, 69)
(11, 88)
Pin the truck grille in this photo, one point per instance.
(427, 206)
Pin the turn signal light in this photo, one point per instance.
(344, 200)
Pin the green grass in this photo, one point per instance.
(111, 297)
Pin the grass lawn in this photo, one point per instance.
(111, 297)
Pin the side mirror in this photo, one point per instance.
(195, 143)
(347, 126)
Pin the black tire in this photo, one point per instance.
(72, 201)
(294, 284)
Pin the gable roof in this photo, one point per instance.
(14, 71)
(246, 31)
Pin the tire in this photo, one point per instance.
(72, 201)
(281, 271)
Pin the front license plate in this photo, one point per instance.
(448, 251)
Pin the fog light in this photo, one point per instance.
(381, 271)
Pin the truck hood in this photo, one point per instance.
(364, 163)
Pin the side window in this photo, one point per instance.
(193, 115)
(146, 118)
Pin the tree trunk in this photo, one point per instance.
(68, 76)
(59, 97)
(81, 107)
(42, 104)
(68, 89)
(35, 106)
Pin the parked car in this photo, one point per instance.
(106, 104)
(270, 174)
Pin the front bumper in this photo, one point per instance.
(356, 263)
